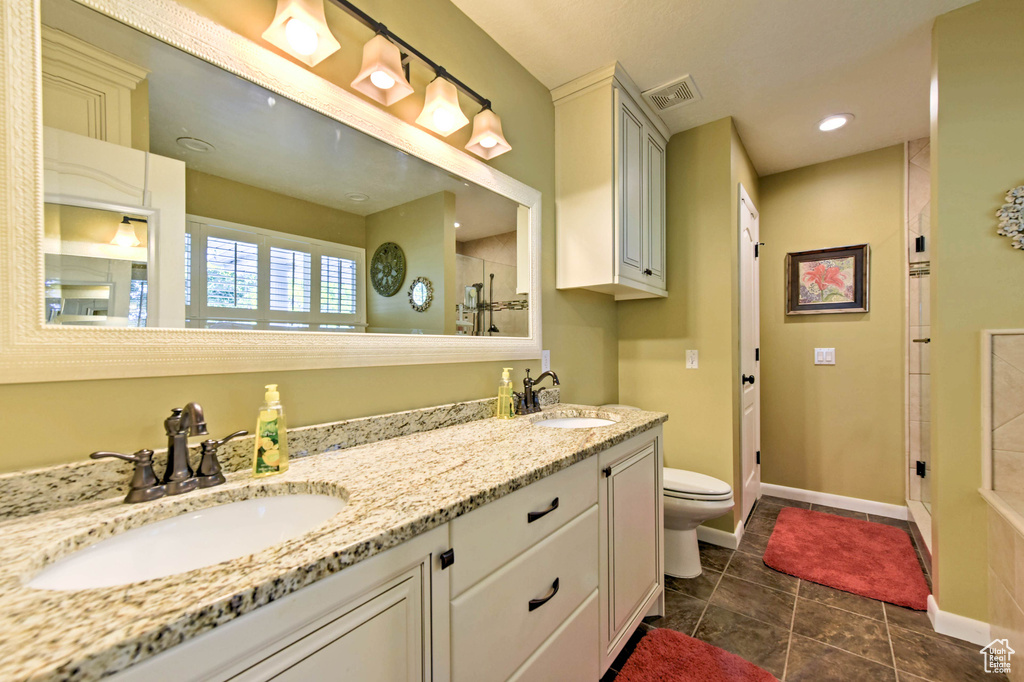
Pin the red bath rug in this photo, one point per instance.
(669, 656)
(865, 558)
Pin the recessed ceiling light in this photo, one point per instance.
(458, 224)
(356, 196)
(834, 122)
(194, 144)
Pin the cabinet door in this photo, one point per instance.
(654, 218)
(632, 519)
(629, 189)
(378, 641)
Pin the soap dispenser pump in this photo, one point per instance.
(271, 449)
(505, 409)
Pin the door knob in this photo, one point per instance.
(749, 379)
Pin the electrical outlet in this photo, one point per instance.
(691, 359)
(545, 361)
(824, 356)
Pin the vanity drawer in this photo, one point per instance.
(494, 534)
(568, 655)
(494, 630)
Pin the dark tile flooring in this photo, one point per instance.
(798, 630)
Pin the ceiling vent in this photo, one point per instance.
(674, 94)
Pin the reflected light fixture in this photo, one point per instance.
(300, 29)
(382, 77)
(487, 140)
(834, 122)
(126, 232)
(441, 111)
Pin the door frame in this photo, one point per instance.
(745, 202)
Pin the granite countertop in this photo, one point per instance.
(394, 488)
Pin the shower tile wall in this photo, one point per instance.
(1008, 414)
(476, 260)
(918, 319)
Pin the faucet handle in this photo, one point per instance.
(143, 486)
(209, 473)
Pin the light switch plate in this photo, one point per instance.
(691, 359)
(545, 361)
(824, 356)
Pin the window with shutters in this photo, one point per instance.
(251, 278)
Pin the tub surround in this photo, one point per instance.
(400, 475)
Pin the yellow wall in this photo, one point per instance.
(211, 196)
(703, 167)
(57, 422)
(425, 231)
(977, 278)
(835, 429)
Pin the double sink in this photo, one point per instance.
(208, 536)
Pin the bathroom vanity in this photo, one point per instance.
(487, 550)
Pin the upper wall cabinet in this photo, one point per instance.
(610, 187)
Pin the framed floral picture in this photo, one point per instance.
(827, 281)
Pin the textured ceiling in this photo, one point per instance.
(776, 66)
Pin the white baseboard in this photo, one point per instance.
(722, 538)
(891, 511)
(961, 627)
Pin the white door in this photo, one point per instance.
(750, 341)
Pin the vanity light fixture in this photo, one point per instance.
(126, 232)
(384, 57)
(441, 111)
(834, 122)
(382, 76)
(487, 140)
(300, 29)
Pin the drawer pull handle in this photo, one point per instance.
(533, 516)
(537, 603)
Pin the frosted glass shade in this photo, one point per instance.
(125, 236)
(487, 140)
(300, 29)
(441, 112)
(382, 77)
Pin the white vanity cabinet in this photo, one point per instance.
(372, 621)
(631, 539)
(610, 188)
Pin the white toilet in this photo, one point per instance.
(690, 500)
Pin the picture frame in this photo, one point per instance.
(823, 281)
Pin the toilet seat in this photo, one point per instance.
(689, 485)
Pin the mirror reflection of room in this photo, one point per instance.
(180, 195)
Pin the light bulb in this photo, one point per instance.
(443, 120)
(382, 80)
(301, 36)
(488, 142)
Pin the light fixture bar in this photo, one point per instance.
(378, 27)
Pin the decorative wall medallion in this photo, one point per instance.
(421, 294)
(387, 269)
(1011, 217)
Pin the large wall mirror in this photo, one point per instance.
(193, 204)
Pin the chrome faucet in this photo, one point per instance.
(184, 421)
(527, 400)
(178, 476)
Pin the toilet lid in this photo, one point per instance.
(692, 483)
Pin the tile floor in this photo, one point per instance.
(798, 630)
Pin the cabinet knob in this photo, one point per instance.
(447, 558)
(648, 271)
(537, 603)
(749, 379)
(533, 516)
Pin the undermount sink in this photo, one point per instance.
(573, 422)
(191, 540)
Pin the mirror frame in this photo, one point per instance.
(32, 351)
